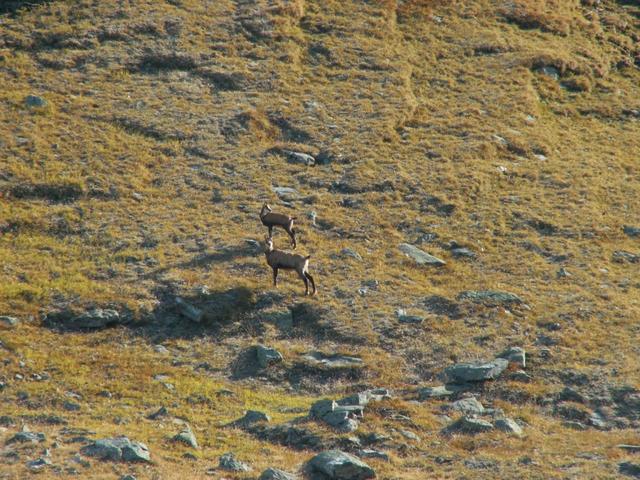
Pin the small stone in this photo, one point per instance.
(337, 465)
(8, 322)
(267, 356)
(370, 453)
(251, 417)
(491, 297)
(160, 349)
(348, 252)
(276, 474)
(550, 71)
(299, 157)
(420, 257)
(621, 256)
(34, 101)
(187, 437)
(462, 253)
(410, 435)
(520, 376)
(229, 462)
(510, 426)
(563, 273)
(469, 425)
(71, 406)
(189, 311)
(137, 196)
(161, 412)
(477, 372)
(404, 318)
(128, 477)
(574, 425)
(631, 231)
(468, 406)
(630, 469)
(39, 464)
(437, 392)
(515, 355)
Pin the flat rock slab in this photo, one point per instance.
(420, 257)
(333, 361)
(117, 449)
(337, 465)
(477, 372)
(491, 297)
(440, 391)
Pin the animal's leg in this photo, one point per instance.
(270, 231)
(313, 284)
(275, 277)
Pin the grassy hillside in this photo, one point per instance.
(509, 128)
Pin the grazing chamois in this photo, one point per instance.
(279, 259)
(271, 219)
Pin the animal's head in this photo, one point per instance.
(268, 244)
(265, 209)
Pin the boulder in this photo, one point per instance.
(630, 469)
(117, 449)
(337, 465)
(25, 436)
(94, 319)
(477, 372)
(267, 356)
(251, 417)
(189, 311)
(420, 257)
(299, 157)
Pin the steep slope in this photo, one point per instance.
(509, 128)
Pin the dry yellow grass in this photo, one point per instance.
(161, 139)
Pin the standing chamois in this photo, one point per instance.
(279, 259)
(271, 219)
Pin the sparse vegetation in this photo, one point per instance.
(509, 130)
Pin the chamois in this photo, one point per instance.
(279, 259)
(271, 219)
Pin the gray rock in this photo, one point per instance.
(267, 356)
(490, 297)
(161, 412)
(333, 361)
(348, 252)
(477, 372)
(34, 101)
(95, 318)
(510, 426)
(363, 398)
(229, 462)
(299, 157)
(404, 318)
(189, 311)
(286, 193)
(438, 392)
(371, 453)
(25, 436)
(410, 435)
(520, 376)
(631, 231)
(621, 256)
(128, 477)
(39, 464)
(469, 425)
(420, 257)
(337, 465)
(630, 469)
(515, 355)
(342, 417)
(8, 322)
(468, 406)
(574, 425)
(117, 449)
(187, 437)
(275, 474)
(462, 252)
(251, 417)
(563, 273)
(322, 407)
(71, 406)
(630, 448)
(550, 71)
